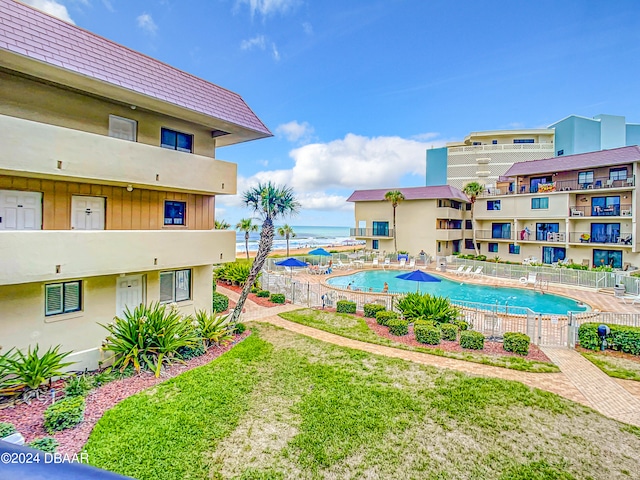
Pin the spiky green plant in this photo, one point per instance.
(423, 306)
(214, 329)
(32, 369)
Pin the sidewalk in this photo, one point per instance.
(579, 380)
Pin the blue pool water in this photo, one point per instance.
(466, 292)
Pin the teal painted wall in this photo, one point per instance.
(633, 134)
(577, 135)
(613, 131)
(436, 173)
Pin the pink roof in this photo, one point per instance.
(410, 193)
(34, 34)
(602, 158)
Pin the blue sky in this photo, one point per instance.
(356, 91)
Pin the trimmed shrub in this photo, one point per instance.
(471, 339)
(46, 444)
(187, 353)
(263, 293)
(398, 327)
(623, 338)
(449, 332)
(240, 328)
(66, 413)
(461, 324)
(220, 302)
(370, 309)
(78, 386)
(516, 342)
(345, 306)
(429, 334)
(6, 429)
(384, 316)
(277, 298)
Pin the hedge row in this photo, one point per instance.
(345, 306)
(622, 338)
(370, 309)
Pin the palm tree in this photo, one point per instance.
(270, 202)
(246, 225)
(287, 232)
(395, 197)
(222, 225)
(473, 189)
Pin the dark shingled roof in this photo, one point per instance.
(410, 193)
(602, 158)
(34, 34)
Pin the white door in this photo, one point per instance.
(129, 293)
(87, 213)
(20, 210)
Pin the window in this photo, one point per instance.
(62, 297)
(605, 206)
(537, 181)
(468, 243)
(523, 140)
(493, 248)
(540, 203)
(605, 233)
(618, 173)
(553, 254)
(381, 229)
(493, 205)
(500, 230)
(544, 231)
(514, 249)
(585, 178)
(494, 142)
(182, 142)
(613, 258)
(375, 244)
(476, 143)
(175, 286)
(122, 128)
(468, 224)
(559, 153)
(449, 204)
(174, 212)
(468, 207)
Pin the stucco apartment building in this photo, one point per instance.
(108, 182)
(433, 219)
(581, 207)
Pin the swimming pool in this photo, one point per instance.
(466, 292)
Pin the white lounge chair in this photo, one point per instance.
(632, 299)
(412, 264)
(403, 262)
(529, 279)
(387, 263)
(340, 265)
(477, 272)
(374, 262)
(467, 271)
(460, 270)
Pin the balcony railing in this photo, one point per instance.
(44, 255)
(622, 210)
(508, 147)
(491, 235)
(615, 239)
(371, 232)
(600, 183)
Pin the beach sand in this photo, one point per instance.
(302, 251)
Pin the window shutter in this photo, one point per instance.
(166, 287)
(122, 128)
(71, 296)
(183, 285)
(53, 299)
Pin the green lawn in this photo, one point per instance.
(356, 328)
(280, 405)
(615, 366)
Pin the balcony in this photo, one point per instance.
(504, 147)
(370, 233)
(622, 239)
(33, 149)
(491, 235)
(600, 183)
(447, 234)
(622, 210)
(46, 255)
(449, 213)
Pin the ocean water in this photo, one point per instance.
(306, 237)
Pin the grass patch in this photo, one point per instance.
(283, 406)
(615, 366)
(356, 328)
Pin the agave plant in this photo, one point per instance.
(417, 306)
(31, 370)
(214, 329)
(149, 336)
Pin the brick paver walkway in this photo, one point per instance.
(579, 380)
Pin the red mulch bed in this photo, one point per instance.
(29, 420)
(490, 348)
(262, 301)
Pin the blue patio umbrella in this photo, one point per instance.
(291, 262)
(418, 276)
(321, 252)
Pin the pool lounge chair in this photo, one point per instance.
(467, 271)
(632, 299)
(374, 262)
(387, 263)
(412, 264)
(460, 270)
(529, 279)
(477, 272)
(403, 262)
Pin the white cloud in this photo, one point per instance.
(423, 137)
(108, 5)
(308, 28)
(274, 51)
(294, 131)
(323, 201)
(146, 23)
(52, 8)
(268, 7)
(255, 42)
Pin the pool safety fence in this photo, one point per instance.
(493, 321)
(558, 275)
